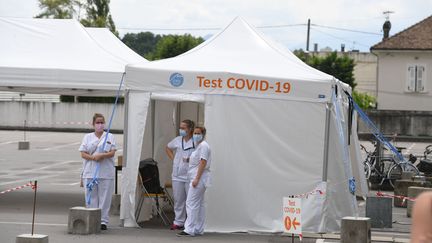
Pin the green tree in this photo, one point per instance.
(98, 15)
(142, 43)
(174, 45)
(364, 100)
(56, 9)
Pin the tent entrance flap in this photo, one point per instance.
(163, 120)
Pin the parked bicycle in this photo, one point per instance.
(378, 168)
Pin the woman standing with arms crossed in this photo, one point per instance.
(179, 151)
(93, 152)
(199, 176)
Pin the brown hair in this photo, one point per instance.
(96, 116)
(203, 130)
(190, 124)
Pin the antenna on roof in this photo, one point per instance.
(387, 14)
(387, 24)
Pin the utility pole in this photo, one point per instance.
(308, 35)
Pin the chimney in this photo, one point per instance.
(386, 29)
(315, 47)
(342, 47)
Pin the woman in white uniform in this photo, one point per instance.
(199, 176)
(179, 151)
(94, 152)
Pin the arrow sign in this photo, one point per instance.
(292, 215)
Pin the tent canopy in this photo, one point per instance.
(238, 52)
(265, 144)
(60, 56)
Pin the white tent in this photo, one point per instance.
(275, 125)
(60, 56)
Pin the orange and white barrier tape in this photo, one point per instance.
(403, 198)
(19, 187)
(306, 195)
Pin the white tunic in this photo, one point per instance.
(202, 151)
(88, 145)
(182, 150)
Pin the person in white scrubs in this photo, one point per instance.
(199, 177)
(179, 151)
(95, 153)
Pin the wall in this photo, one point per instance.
(56, 115)
(392, 75)
(365, 69)
(404, 123)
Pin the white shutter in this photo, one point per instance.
(421, 79)
(411, 79)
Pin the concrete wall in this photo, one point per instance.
(56, 115)
(404, 123)
(392, 76)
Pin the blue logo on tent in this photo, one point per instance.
(352, 185)
(176, 79)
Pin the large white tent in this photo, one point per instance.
(276, 126)
(60, 56)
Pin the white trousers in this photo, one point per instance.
(180, 190)
(101, 196)
(195, 208)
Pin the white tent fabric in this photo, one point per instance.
(60, 56)
(268, 140)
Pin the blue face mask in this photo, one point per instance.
(197, 138)
(182, 132)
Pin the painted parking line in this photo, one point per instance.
(9, 142)
(29, 223)
(62, 146)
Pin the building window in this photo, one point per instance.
(416, 79)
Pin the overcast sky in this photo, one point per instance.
(357, 15)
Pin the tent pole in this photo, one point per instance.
(326, 142)
(125, 127)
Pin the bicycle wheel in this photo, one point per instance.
(367, 170)
(395, 172)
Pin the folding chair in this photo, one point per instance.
(155, 201)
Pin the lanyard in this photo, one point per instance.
(193, 145)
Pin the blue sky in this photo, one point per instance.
(185, 16)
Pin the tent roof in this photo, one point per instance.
(238, 49)
(60, 56)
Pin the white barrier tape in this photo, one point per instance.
(59, 123)
(18, 187)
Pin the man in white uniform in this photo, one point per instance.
(179, 151)
(95, 153)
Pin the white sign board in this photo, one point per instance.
(292, 215)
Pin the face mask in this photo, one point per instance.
(99, 127)
(182, 132)
(197, 138)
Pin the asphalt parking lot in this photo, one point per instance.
(54, 161)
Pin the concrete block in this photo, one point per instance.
(379, 210)
(23, 145)
(84, 220)
(413, 192)
(356, 230)
(401, 189)
(115, 204)
(29, 238)
(407, 175)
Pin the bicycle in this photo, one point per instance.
(383, 168)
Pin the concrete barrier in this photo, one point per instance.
(379, 210)
(23, 145)
(413, 192)
(84, 220)
(115, 204)
(29, 238)
(356, 230)
(401, 189)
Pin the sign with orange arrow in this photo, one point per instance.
(292, 215)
